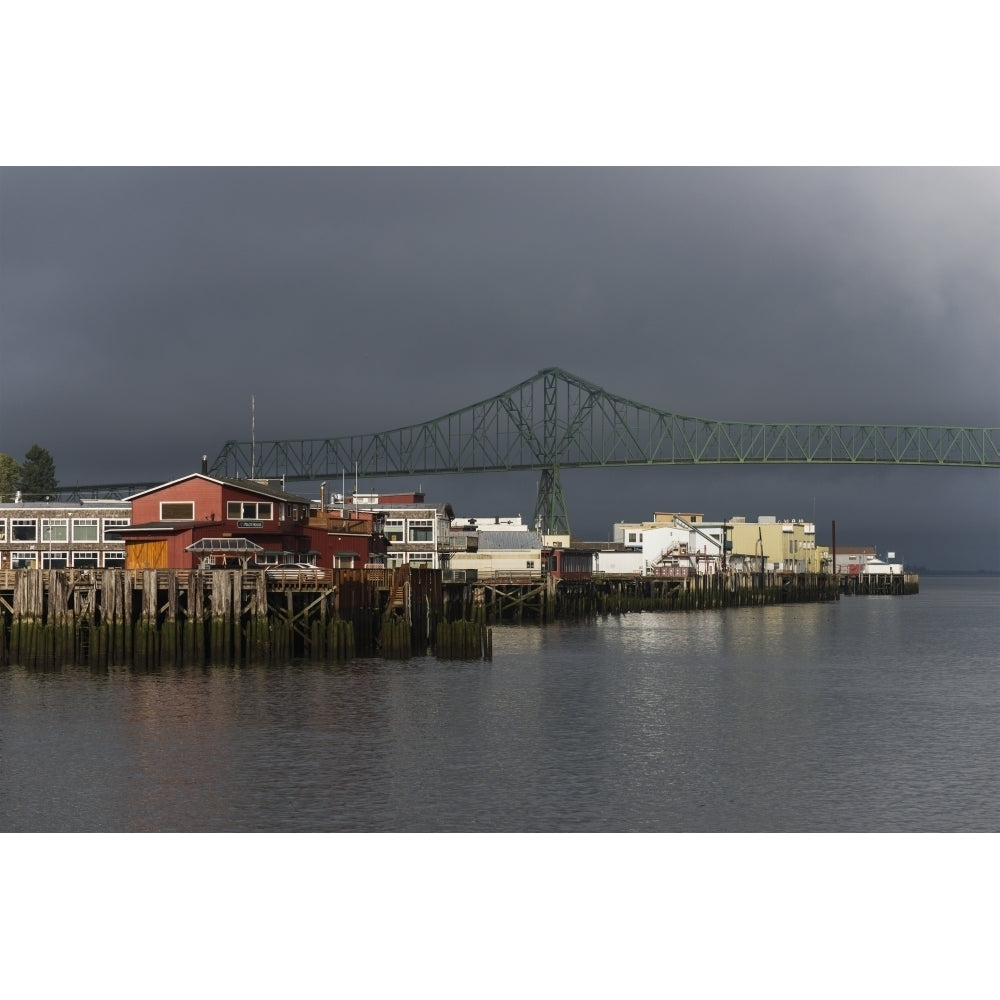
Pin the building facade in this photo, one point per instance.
(200, 521)
(676, 544)
(346, 539)
(61, 535)
(773, 546)
(415, 532)
(508, 555)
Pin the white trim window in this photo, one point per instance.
(249, 510)
(420, 530)
(86, 560)
(176, 510)
(23, 560)
(54, 560)
(55, 529)
(394, 559)
(85, 529)
(114, 559)
(422, 559)
(110, 523)
(24, 529)
(394, 529)
(3, 529)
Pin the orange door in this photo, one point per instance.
(146, 555)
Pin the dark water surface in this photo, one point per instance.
(870, 714)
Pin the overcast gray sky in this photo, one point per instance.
(142, 308)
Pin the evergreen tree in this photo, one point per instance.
(38, 474)
(10, 473)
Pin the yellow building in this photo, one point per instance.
(786, 546)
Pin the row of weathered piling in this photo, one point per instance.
(158, 618)
(592, 596)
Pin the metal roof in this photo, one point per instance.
(509, 540)
(224, 545)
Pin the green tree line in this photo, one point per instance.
(35, 477)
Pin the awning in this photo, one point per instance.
(224, 545)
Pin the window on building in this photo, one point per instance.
(55, 529)
(3, 529)
(632, 537)
(422, 559)
(54, 560)
(177, 510)
(421, 531)
(110, 523)
(23, 529)
(394, 529)
(530, 564)
(249, 510)
(114, 559)
(394, 559)
(23, 560)
(85, 529)
(87, 560)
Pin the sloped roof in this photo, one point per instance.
(236, 544)
(247, 485)
(510, 541)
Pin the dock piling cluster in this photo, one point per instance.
(156, 618)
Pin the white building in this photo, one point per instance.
(862, 561)
(416, 532)
(682, 542)
(629, 562)
(63, 534)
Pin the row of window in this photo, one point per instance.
(61, 529)
(236, 510)
(394, 559)
(418, 530)
(63, 560)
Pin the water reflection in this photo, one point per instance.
(868, 714)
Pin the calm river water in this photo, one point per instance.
(869, 714)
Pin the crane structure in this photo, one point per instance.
(555, 420)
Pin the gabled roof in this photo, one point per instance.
(234, 544)
(253, 486)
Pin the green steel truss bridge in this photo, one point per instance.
(555, 420)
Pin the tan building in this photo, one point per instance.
(785, 546)
(515, 555)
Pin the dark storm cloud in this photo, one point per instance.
(141, 309)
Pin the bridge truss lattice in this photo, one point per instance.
(556, 420)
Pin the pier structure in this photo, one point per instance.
(155, 618)
(161, 617)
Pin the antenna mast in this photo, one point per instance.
(253, 445)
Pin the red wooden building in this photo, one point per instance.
(346, 539)
(200, 520)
